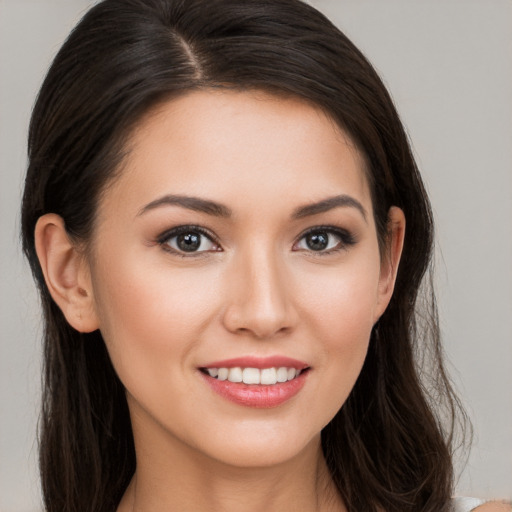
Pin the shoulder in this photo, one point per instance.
(475, 505)
(494, 506)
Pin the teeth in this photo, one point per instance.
(235, 375)
(252, 376)
(266, 376)
(223, 373)
(282, 374)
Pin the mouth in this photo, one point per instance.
(254, 376)
(256, 382)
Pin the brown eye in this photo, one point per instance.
(324, 240)
(190, 242)
(188, 239)
(317, 241)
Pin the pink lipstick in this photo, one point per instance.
(261, 382)
(258, 362)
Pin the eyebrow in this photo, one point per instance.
(190, 203)
(220, 210)
(329, 204)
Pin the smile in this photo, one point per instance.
(258, 382)
(264, 376)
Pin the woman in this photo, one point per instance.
(215, 211)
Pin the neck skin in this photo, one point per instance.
(180, 478)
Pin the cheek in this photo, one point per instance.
(339, 313)
(150, 315)
(341, 302)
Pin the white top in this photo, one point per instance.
(466, 504)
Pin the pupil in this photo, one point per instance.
(317, 241)
(189, 242)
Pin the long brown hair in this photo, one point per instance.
(389, 447)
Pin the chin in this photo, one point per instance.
(261, 446)
(264, 455)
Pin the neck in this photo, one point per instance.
(191, 481)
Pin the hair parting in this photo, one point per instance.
(390, 445)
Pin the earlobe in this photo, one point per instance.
(66, 273)
(391, 257)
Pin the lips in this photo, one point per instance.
(265, 376)
(258, 362)
(256, 382)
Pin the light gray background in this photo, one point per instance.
(448, 64)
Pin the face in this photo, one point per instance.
(238, 243)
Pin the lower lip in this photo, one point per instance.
(257, 395)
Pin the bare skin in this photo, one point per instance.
(273, 177)
(494, 507)
(301, 486)
(255, 288)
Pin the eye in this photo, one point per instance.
(188, 239)
(324, 240)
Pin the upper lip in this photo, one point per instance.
(276, 361)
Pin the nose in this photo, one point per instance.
(258, 299)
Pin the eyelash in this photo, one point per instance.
(345, 237)
(164, 239)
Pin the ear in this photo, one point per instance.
(390, 258)
(66, 273)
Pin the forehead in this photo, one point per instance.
(237, 146)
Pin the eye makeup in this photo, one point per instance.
(194, 241)
(188, 241)
(325, 240)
